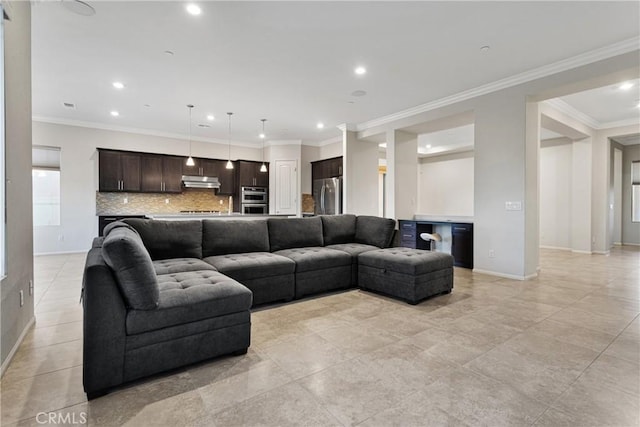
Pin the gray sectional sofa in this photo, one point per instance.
(158, 295)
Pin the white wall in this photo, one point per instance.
(79, 175)
(16, 319)
(445, 185)
(556, 161)
(309, 154)
(331, 150)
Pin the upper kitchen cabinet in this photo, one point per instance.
(161, 174)
(328, 168)
(227, 178)
(119, 171)
(249, 175)
(201, 167)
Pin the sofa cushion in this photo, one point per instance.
(353, 249)
(406, 260)
(337, 229)
(180, 265)
(169, 239)
(190, 297)
(374, 230)
(116, 224)
(221, 237)
(125, 254)
(287, 233)
(252, 265)
(316, 258)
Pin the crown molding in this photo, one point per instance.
(620, 123)
(570, 111)
(348, 126)
(102, 126)
(323, 143)
(578, 115)
(276, 142)
(606, 52)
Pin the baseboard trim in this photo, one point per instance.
(576, 251)
(13, 351)
(505, 275)
(601, 252)
(630, 244)
(61, 253)
(557, 248)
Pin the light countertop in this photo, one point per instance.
(444, 218)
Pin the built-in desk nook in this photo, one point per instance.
(457, 236)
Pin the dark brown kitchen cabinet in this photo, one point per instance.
(118, 171)
(227, 178)
(249, 175)
(161, 174)
(329, 168)
(462, 244)
(461, 238)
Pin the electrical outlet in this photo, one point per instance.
(61, 237)
(125, 200)
(222, 202)
(513, 206)
(21, 298)
(30, 287)
(492, 253)
(166, 201)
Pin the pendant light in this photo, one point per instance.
(263, 168)
(229, 164)
(190, 161)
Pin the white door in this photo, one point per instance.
(286, 187)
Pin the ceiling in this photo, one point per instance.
(292, 62)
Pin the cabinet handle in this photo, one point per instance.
(407, 235)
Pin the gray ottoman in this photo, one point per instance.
(409, 274)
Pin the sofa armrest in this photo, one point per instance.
(104, 326)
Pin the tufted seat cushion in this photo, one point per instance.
(252, 264)
(406, 260)
(316, 258)
(190, 297)
(353, 249)
(180, 265)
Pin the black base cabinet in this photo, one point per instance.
(461, 239)
(462, 245)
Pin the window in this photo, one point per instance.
(46, 186)
(635, 191)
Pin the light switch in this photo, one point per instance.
(513, 206)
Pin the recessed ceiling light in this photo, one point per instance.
(262, 136)
(118, 85)
(115, 113)
(485, 48)
(428, 145)
(360, 70)
(320, 125)
(210, 117)
(626, 85)
(194, 9)
(382, 145)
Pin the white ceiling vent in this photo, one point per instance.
(69, 105)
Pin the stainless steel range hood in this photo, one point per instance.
(192, 181)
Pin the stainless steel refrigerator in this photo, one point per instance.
(327, 196)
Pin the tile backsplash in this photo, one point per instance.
(308, 205)
(155, 203)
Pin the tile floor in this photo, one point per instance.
(559, 350)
